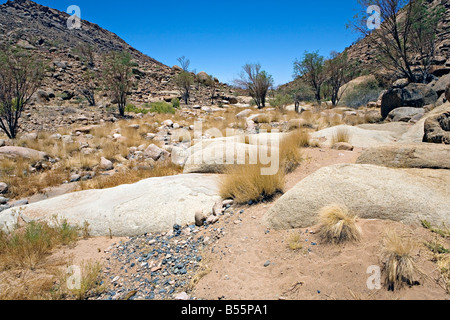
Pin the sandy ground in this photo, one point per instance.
(251, 262)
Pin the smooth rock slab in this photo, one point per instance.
(371, 192)
(151, 205)
(26, 153)
(359, 138)
(421, 156)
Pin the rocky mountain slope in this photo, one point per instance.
(363, 54)
(44, 30)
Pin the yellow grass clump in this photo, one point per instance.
(341, 135)
(245, 183)
(399, 266)
(337, 225)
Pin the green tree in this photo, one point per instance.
(312, 69)
(21, 74)
(118, 71)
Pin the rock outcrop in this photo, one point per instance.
(371, 192)
(152, 205)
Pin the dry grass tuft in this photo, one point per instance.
(245, 183)
(338, 225)
(295, 242)
(290, 150)
(399, 267)
(130, 176)
(341, 135)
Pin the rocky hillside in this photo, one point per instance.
(44, 30)
(362, 53)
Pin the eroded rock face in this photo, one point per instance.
(437, 129)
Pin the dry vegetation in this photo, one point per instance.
(399, 266)
(338, 225)
(27, 270)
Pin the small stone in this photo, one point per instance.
(212, 219)
(182, 296)
(200, 218)
(267, 264)
(3, 188)
(106, 164)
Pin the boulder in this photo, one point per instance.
(420, 155)
(216, 156)
(400, 83)
(156, 153)
(404, 114)
(418, 95)
(447, 93)
(151, 205)
(26, 153)
(359, 138)
(437, 129)
(391, 99)
(415, 133)
(442, 84)
(203, 77)
(244, 113)
(370, 192)
(414, 95)
(343, 146)
(3, 188)
(106, 164)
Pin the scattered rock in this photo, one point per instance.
(106, 164)
(156, 153)
(344, 146)
(437, 129)
(3, 188)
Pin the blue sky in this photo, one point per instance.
(219, 37)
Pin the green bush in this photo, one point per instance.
(281, 101)
(362, 94)
(133, 109)
(175, 103)
(162, 107)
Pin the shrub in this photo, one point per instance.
(281, 101)
(338, 225)
(362, 94)
(399, 266)
(175, 103)
(133, 109)
(162, 107)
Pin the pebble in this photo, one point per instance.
(157, 266)
(267, 264)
